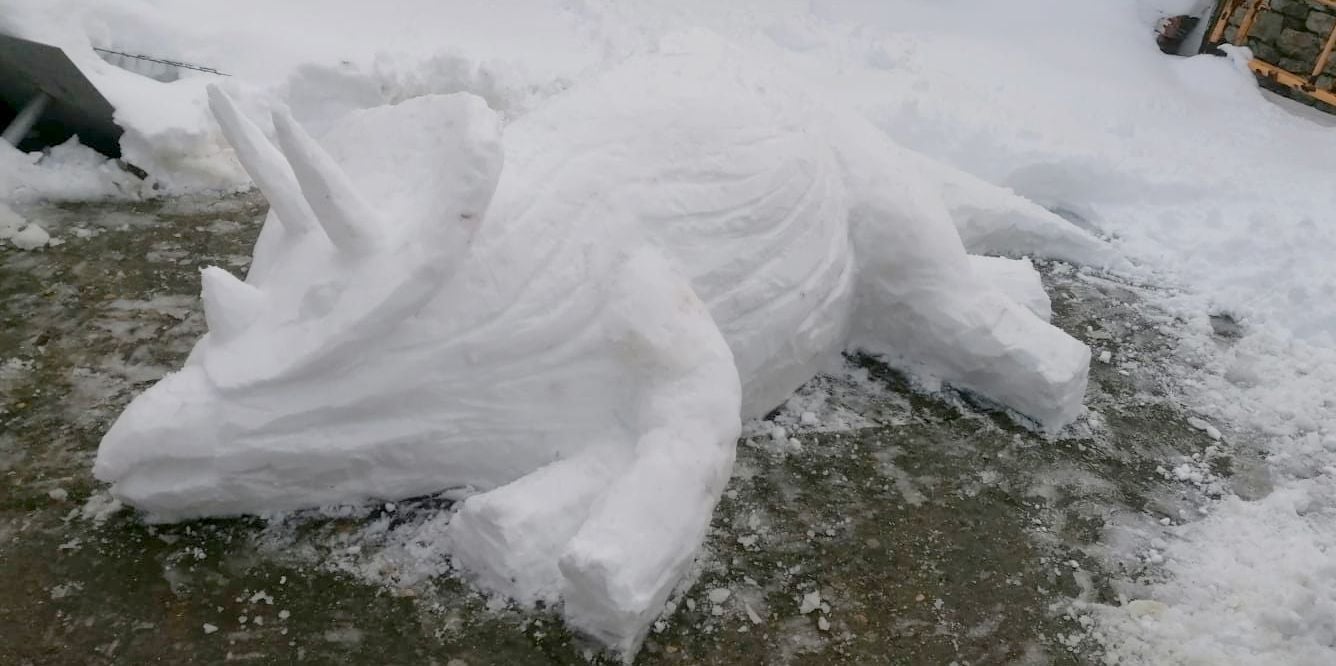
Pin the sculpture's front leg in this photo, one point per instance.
(613, 529)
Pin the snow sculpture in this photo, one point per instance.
(575, 336)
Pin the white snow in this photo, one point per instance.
(1210, 189)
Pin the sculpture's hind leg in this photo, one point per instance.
(921, 304)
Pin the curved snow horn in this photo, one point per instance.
(346, 218)
(263, 161)
(230, 305)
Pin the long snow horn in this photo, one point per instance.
(347, 219)
(230, 305)
(263, 161)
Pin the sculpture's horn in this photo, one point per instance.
(230, 305)
(346, 218)
(265, 164)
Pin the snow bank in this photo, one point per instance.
(508, 52)
(1180, 158)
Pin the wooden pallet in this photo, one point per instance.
(1305, 83)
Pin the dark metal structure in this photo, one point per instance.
(45, 99)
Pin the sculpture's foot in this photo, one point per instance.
(641, 536)
(509, 539)
(612, 530)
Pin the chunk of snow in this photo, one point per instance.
(810, 602)
(21, 233)
(209, 628)
(751, 613)
(1204, 426)
(30, 237)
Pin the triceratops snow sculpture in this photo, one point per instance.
(669, 247)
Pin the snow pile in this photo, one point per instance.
(674, 244)
(509, 52)
(1196, 174)
(69, 171)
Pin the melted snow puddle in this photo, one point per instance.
(864, 519)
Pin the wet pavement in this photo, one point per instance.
(882, 526)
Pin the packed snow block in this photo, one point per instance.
(75, 107)
(573, 332)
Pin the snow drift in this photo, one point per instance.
(574, 336)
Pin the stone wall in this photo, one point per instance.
(1290, 34)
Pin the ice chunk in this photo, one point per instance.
(30, 237)
(810, 602)
(23, 234)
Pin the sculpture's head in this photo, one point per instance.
(363, 230)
